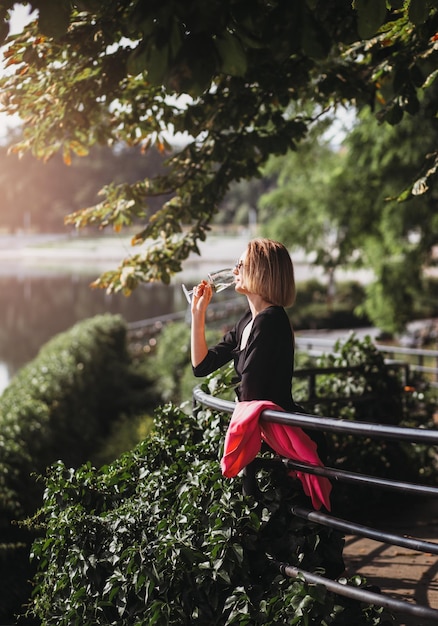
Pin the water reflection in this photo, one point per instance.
(33, 309)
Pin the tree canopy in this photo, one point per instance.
(342, 207)
(238, 78)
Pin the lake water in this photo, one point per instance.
(44, 291)
(35, 308)
(45, 288)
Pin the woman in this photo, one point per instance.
(262, 341)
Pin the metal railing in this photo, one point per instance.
(420, 360)
(311, 374)
(357, 429)
(417, 358)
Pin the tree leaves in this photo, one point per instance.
(418, 11)
(245, 65)
(233, 56)
(158, 537)
(370, 16)
(54, 17)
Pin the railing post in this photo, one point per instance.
(312, 386)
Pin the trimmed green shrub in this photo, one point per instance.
(60, 406)
(159, 537)
(170, 360)
(366, 388)
(169, 364)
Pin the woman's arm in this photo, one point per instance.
(206, 360)
(201, 299)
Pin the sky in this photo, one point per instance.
(19, 17)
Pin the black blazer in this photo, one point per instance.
(265, 366)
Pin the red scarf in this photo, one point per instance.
(244, 439)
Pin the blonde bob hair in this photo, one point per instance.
(269, 272)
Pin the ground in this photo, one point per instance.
(400, 572)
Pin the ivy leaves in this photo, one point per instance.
(159, 537)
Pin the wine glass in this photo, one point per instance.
(219, 281)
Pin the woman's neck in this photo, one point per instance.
(257, 304)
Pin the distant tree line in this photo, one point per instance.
(37, 196)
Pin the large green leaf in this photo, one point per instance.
(54, 17)
(418, 11)
(232, 54)
(370, 16)
(314, 40)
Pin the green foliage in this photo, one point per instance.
(398, 237)
(365, 388)
(124, 434)
(170, 360)
(370, 16)
(61, 405)
(316, 308)
(61, 402)
(240, 203)
(304, 187)
(354, 213)
(376, 389)
(107, 73)
(169, 364)
(160, 537)
(221, 383)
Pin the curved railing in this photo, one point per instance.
(356, 429)
(424, 361)
(421, 360)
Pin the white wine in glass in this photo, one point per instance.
(220, 280)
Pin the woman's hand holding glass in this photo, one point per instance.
(201, 296)
(217, 281)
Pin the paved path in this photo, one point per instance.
(30, 253)
(400, 572)
(223, 250)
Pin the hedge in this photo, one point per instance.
(159, 537)
(59, 406)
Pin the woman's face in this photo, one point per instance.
(239, 272)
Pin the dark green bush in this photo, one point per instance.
(363, 387)
(170, 360)
(169, 364)
(160, 537)
(312, 308)
(60, 406)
